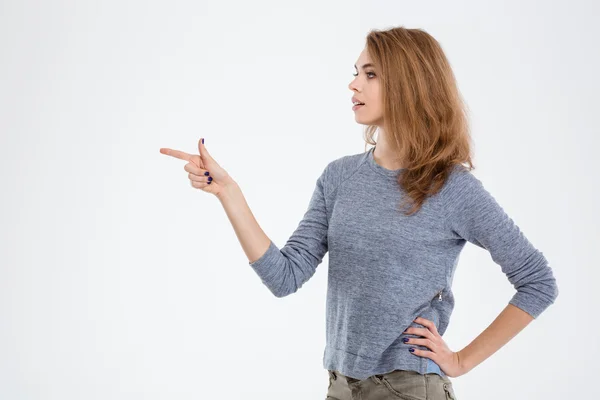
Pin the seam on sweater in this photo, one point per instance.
(450, 214)
(341, 161)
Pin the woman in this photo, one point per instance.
(389, 295)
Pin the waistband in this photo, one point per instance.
(335, 375)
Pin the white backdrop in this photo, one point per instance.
(118, 280)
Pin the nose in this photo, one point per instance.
(352, 85)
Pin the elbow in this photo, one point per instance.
(547, 291)
(535, 297)
(550, 288)
(535, 284)
(555, 291)
(280, 293)
(284, 271)
(279, 287)
(551, 294)
(287, 283)
(283, 282)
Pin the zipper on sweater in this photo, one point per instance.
(440, 295)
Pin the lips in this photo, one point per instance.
(355, 100)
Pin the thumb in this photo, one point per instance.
(203, 152)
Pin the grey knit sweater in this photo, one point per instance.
(386, 268)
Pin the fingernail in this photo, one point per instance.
(412, 350)
(209, 182)
(206, 173)
(202, 140)
(209, 179)
(405, 340)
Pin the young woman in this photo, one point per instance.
(394, 220)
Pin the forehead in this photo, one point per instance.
(363, 58)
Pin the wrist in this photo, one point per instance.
(228, 188)
(462, 362)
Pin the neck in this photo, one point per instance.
(385, 154)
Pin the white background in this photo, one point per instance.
(118, 280)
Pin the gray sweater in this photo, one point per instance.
(386, 268)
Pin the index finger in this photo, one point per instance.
(176, 153)
(427, 323)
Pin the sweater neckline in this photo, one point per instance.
(378, 168)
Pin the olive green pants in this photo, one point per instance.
(398, 384)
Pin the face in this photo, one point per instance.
(365, 88)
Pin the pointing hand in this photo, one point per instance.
(204, 172)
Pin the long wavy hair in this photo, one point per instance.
(425, 118)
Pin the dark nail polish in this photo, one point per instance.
(206, 173)
(209, 182)
(210, 178)
(412, 350)
(202, 140)
(405, 340)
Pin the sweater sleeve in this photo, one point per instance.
(285, 270)
(475, 215)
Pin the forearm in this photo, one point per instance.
(253, 240)
(506, 326)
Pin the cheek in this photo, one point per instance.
(375, 107)
(374, 100)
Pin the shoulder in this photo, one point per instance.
(460, 178)
(342, 168)
(466, 194)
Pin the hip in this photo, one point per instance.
(397, 384)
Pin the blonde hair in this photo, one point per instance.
(424, 115)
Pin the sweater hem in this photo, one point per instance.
(359, 367)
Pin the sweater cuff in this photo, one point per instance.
(265, 264)
(531, 304)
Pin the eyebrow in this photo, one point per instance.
(365, 66)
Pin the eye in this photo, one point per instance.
(368, 73)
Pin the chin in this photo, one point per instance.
(364, 121)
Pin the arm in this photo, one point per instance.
(283, 270)
(474, 215)
(506, 326)
(252, 238)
